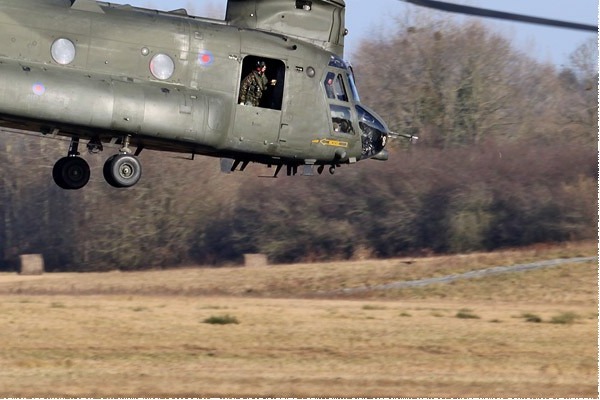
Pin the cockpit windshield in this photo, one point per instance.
(353, 86)
(337, 62)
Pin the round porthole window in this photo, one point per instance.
(162, 66)
(63, 51)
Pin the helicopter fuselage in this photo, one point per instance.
(170, 82)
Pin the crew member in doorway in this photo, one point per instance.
(254, 85)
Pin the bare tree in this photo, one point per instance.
(452, 84)
(580, 81)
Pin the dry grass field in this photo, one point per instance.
(283, 332)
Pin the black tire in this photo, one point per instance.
(57, 174)
(122, 170)
(71, 173)
(106, 171)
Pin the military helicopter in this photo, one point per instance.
(135, 78)
(144, 79)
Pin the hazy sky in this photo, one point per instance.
(366, 17)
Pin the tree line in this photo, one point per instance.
(507, 157)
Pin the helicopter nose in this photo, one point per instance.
(383, 155)
(375, 134)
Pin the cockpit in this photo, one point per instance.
(348, 116)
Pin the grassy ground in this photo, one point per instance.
(144, 334)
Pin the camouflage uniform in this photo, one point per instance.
(253, 87)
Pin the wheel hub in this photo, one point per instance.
(126, 171)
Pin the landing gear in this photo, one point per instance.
(122, 170)
(332, 168)
(71, 173)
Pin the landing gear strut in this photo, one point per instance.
(123, 170)
(71, 172)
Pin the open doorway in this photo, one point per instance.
(262, 92)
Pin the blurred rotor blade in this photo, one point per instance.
(482, 12)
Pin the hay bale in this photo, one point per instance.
(32, 264)
(255, 260)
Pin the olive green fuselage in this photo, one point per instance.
(110, 89)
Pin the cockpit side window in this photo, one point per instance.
(335, 87)
(341, 114)
(342, 119)
(329, 85)
(340, 89)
